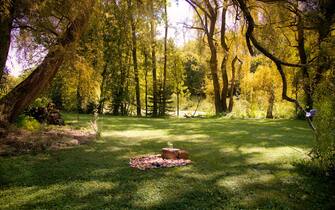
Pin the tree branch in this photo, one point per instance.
(279, 63)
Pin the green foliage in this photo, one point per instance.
(28, 123)
(4, 8)
(7, 83)
(40, 102)
(324, 150)
(194, 77)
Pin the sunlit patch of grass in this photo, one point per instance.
(137, 134)
(237, 164)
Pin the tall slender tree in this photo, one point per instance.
(153, 58)
(165, 57)
(225, 48)
(134, 55)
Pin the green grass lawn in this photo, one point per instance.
(237, 164)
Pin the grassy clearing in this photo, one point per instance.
(238, 164)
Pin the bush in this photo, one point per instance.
(324, 150)
(27, 122)
(40, 103)
(44, 112)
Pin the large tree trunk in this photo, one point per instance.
(153, 54)
(134, 52)
(28, 90)
(214, 67)
(165, 57)
(215, 78)
(5, 38)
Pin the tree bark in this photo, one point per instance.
(5, 38)
(214, 65)
(225, 48)
(215, 78)
(28, 90)
(134, 53)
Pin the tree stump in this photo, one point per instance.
(170, 153)
(182, 154)
(173, 153)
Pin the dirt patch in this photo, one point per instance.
(19, 141)
(156, 161)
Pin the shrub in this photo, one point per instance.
(44, 112)
(40, 103)
(27, 122)
(324, 150)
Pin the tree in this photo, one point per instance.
(225, 48)
(153, 58)
(232, 86)
(134, 53)
(22, 95)
(194, 78)
(146, 65)
(165, 56)
(207, 13)
(323, 13)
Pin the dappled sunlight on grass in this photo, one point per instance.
(136, 134)
(277, 154)
(236, 164)
(149, 193)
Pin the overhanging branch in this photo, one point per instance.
(278, 62)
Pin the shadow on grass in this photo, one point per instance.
(223, 175)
